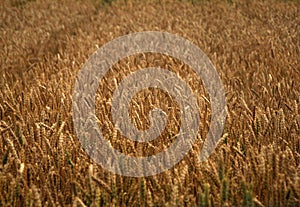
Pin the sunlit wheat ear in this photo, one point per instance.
(90, 175)
(13, 150)
(183, 175)
(212, 176)
(297, 121)
(198, 164)
(21, 169)
(60, 139)
(261, 161)
(275, 166)
(91, 171)
(281, 163)
(257, 122)
(1, 112)
(174, 196)
(149, 198)
(37, 133)
(247, 143)
(296, 108)
(281, 117)
(31, 135)
(36, 197)
(269, 113)
(265, 123)
(143, 191)
(253, 164)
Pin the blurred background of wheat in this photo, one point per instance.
(255, 48)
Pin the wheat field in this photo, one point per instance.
(254, 46)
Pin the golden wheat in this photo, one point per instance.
(254, 46)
